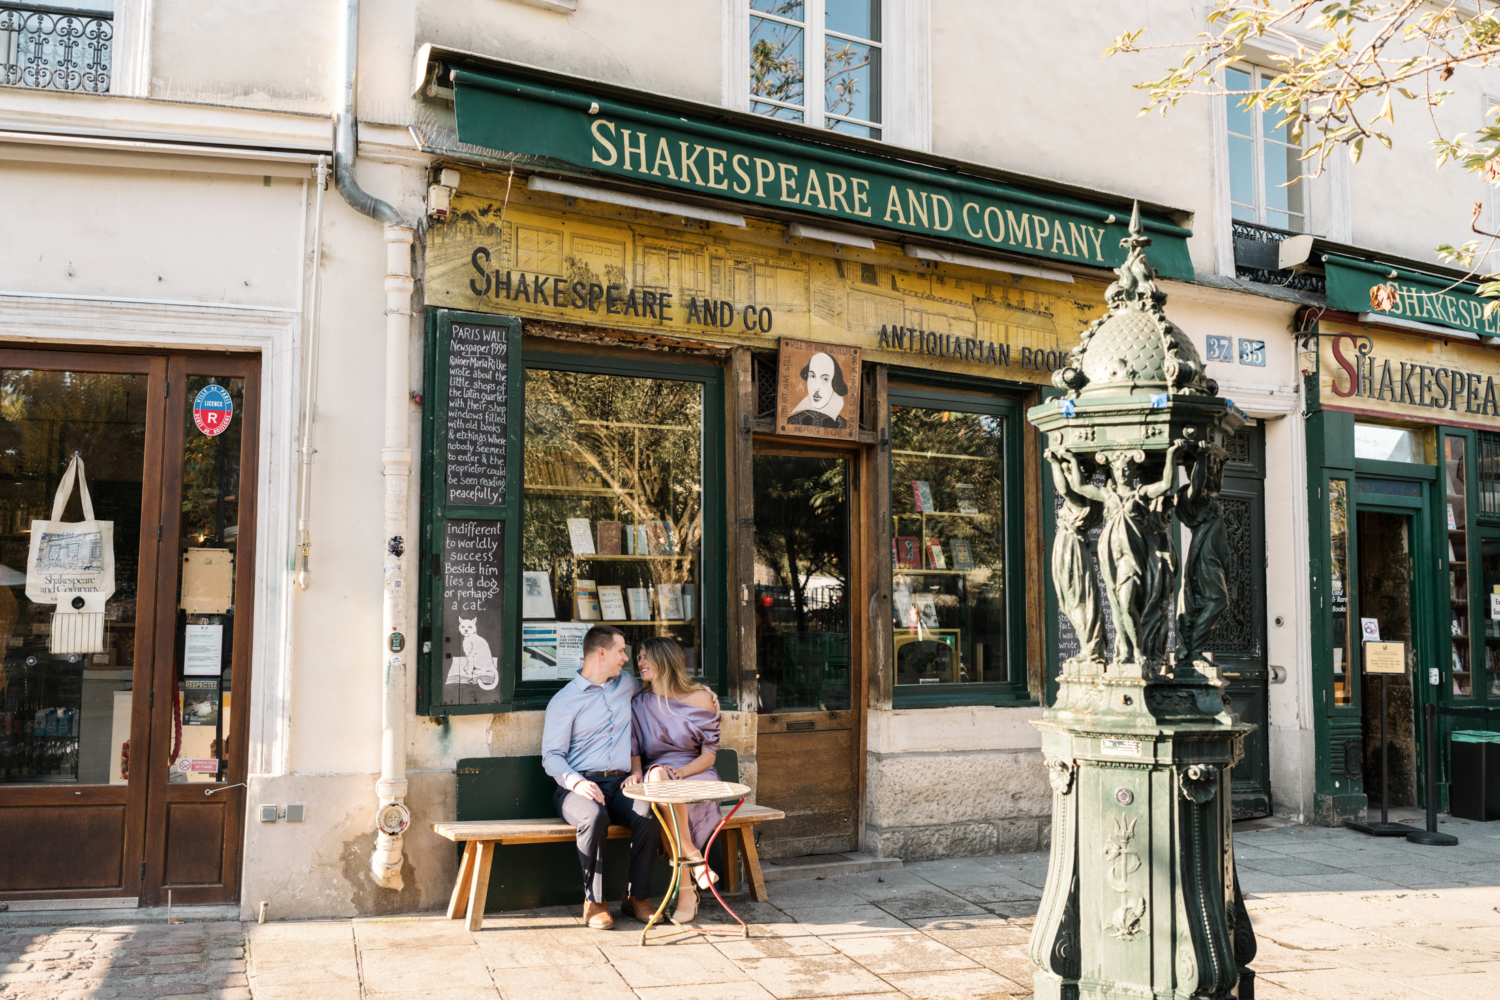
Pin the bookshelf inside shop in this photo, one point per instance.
(1458, 564)
(611, 518)
(947, 558)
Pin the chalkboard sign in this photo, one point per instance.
(473, 611)
(478, 414)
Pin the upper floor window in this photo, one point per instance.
(840, 89)
(57, 47)
(1264, 162)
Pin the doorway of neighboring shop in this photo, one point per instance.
(122, 757)
(1239, 639)
(1386, 600)
(808, 650)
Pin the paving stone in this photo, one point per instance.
(1397, 961)
(1009, 961)
(413, 970)
(564, 982)
(671, 964)
(743, 990)
(1344, 984)
(964, 984)
(813, 976)
(902, 953)
(834, 921)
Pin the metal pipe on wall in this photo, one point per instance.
(392, 816)
(305, 449)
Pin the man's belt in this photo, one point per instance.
(596, 775)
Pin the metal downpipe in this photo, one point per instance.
(392, 816)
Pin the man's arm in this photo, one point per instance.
(557, 737)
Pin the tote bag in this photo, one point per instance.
(72, 565)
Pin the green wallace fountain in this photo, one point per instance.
(1142, 898)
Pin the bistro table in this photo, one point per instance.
(683, 793)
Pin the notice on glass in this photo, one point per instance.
(478, 414)
(1385, 657)
(203, 651)
(473, 594)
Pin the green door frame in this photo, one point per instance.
(1430, 643)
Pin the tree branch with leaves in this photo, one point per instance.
(1344, 69)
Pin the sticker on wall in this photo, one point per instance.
(213, 410)
(1221, 349)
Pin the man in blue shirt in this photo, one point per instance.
(586, 748)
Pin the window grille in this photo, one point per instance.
(47, 48)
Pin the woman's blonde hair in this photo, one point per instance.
(669, 663)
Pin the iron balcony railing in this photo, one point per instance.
(55, 48)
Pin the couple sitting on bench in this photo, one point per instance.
(604, 731)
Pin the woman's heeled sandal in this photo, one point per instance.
(704, 877)
(687, 905)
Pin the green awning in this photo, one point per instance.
(730, 159)
(1408, 295)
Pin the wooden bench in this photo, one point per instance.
(480, 837)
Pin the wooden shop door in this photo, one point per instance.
(808, 653)
(118, 774)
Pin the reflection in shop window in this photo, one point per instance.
(1388, 444)
(1455, 481)
(1338, 582)
(613, 516)
(948, 539)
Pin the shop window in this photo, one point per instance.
(562, 491)
(1489, 612)
(1489, 474)
(954, 610)
(612, 525)
(818, 62)
(1388, 444)
(1338, 586)
(1457, 514)
(65, 708)
(1266, 184)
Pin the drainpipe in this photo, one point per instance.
(392, 817)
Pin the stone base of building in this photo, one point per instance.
(1333, 810)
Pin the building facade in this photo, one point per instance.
(402, 344)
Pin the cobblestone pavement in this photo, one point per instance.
(1338, 916)
(161, 960)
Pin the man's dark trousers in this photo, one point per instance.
(592, 821)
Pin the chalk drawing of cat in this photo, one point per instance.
(479, 667)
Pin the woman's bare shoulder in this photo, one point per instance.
(703, 698)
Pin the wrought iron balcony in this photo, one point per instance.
(1256, 258)
(55, 48)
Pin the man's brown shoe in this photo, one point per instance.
(640, 909)
(596, 916)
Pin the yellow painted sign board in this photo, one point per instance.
(1407, 377)
(1385, 657)
(622, 269)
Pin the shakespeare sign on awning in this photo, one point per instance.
(740, 164)
(1383, 291)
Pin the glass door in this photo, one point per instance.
(126, 542)
(806, 656)
(74, 680)
(205, 568)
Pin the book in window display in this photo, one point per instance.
(659, 539)
(926, 608)
(922, 495)
(963, 555)
(935, 559)
(536, 595)
(612, 604)
(906, 615)
(610, 535)
(905, 552)
(966, 501)
(670, 595)
(586, 597)
(581, 536)
(640, 604)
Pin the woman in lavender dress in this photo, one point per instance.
(675, 735)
